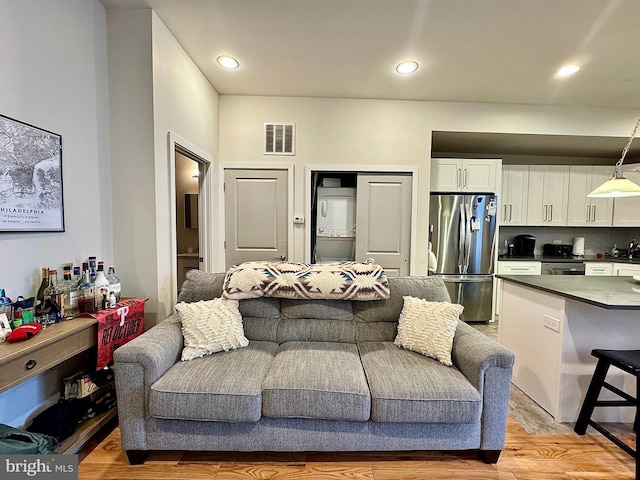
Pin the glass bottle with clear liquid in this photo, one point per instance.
(54, 294)
(101, 288)
(70, 290)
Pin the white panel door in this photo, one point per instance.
(255, 215)
(383, 221)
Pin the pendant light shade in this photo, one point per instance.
(618, 186)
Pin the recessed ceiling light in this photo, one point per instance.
(408, 66)
(567, 70)
(225, 61)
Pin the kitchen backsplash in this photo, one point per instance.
(597, 240)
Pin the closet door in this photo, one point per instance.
(255, 215)
(383, 221)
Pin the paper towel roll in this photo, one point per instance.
(578, 246)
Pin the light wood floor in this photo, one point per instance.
(525, 457)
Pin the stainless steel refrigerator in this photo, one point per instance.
(462, 235)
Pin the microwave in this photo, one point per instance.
(557, 250)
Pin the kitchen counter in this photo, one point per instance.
(552, 322)
(620, 293)
(586, 258)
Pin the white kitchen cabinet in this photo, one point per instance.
(519, 268)
(626, 269)
(513, 200)
(547, 197)
(626, 211)
(464, 175)
(512, 268)
(585, 211)
(598, 268)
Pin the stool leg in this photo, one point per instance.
(591, 397)
(635, 422)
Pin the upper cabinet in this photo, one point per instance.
(547, 198)
(585, 211)
(464, 175)
(514, 195)
(626, 211)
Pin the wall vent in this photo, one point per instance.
(279, 138)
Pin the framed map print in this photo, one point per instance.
(30, 178)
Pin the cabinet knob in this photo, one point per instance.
(30, 364)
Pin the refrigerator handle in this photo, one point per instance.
(467, 243)
(462, 239)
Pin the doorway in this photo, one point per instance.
(385, 215)
(191, 183)
(187, 215)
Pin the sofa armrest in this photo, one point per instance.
(488, 366)
(137, 365)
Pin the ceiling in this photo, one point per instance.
(488, 51)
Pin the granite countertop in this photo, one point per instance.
(616, 293)
(586, 258)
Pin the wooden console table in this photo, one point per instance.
(50, 347)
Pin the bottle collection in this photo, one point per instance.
(77, 291)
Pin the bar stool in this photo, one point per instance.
(627, 361)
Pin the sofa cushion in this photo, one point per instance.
(320, 309)
(260, 307)
(224, 387)
(409, 387)
(320, 380)
(428, 327)
(201, 286)
(429, 288)
(210, 326)
(315, 330)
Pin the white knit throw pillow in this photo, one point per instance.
(210, 326)
(428, 327)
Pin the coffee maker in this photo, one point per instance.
(523, 245)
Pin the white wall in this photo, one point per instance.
(155, 88)
(184, 103)
(382, 132)
(54, 76)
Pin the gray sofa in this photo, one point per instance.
(318, 375)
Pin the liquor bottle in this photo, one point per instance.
(54, 293)
(86, 294)
(101, 288)
(85, 268)
(70, 292)
(92, 268)
(114, 283)
(43, 286)
(77, 276)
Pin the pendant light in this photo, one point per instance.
(618, 186)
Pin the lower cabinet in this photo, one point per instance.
(512, 268)
(519, 268)
(598, 268)
(626, 270)
(186, 262)
(611, 269)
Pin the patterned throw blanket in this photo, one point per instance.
(335, 281)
